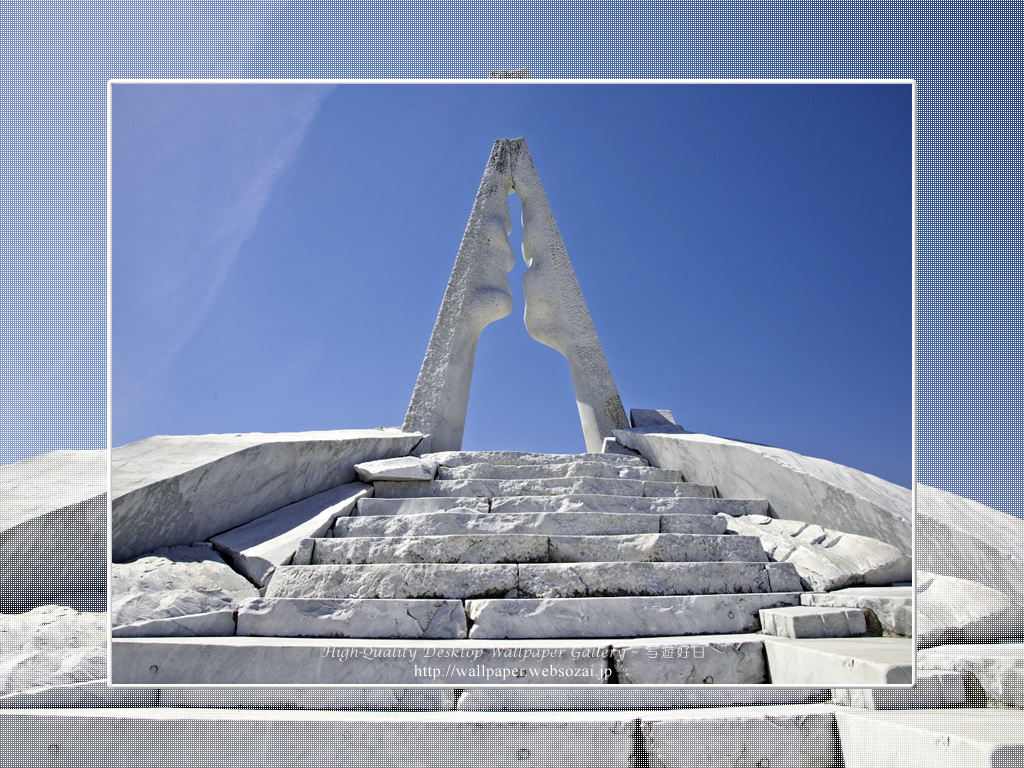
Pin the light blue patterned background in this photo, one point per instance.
(58, 57)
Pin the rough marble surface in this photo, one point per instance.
(420, 505)
(849, 661)
(797, 487)
(478, 293)
(213, 624)
(707, 660)
(488, 488)
(621, 616)
(458, 522)
(952, 738)
(661, 505)
(462, 458)
(630, 697)
(932, 690)
(454, 548)
(339, 739)
(891, 607)
(567, 470)
(827, 560)
(807, 621)
(309, 698)
(177, 581)
(402, 581)
(58, 496)
(311, 617)
(257, 548)
(999, 667)
(650, 417)
(172, 491)
(399, 468)
(782, 736)
(51, 645)
(957, 611)
(963, 539)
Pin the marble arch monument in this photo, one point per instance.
(478, 293)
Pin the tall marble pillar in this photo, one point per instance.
(478, 293)
(556, 314)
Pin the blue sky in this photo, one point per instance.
(280, 253)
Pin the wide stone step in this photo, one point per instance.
(527, 581)
(932, 738)
(573, 469)
(840, 661)
(695, 660)
(554, 523)
(517, 458)
(389, 489)
(622, 616)
(533, 548)
(886, 608)
(998, 667)
(775, 735)
(418, 505)
(806, 621)
(617, 697)
(368, 619)
(691, 505)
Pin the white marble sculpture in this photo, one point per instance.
(478, 294)
(556, 314)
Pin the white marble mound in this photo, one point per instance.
(257, 548)
(957, 611)
(963, 539)
(797, 487)
(174, 582)
(56, 497)
(171, 491)
(51, 646)
(826, 559)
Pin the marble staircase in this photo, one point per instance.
(517, 568)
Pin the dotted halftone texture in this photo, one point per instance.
(58, 57)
